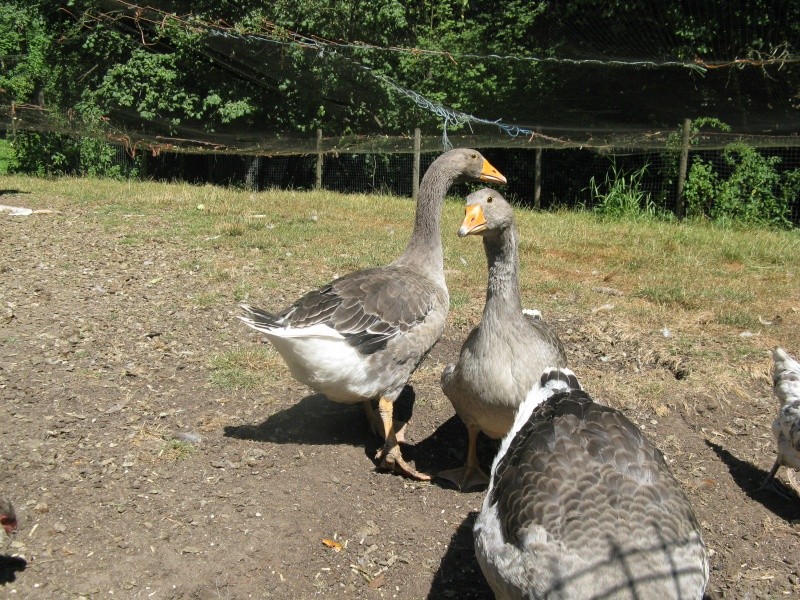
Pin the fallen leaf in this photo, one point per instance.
(377, 582)
(337, 547)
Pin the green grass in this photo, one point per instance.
(669, 295)
(244, 369)
(177, 449)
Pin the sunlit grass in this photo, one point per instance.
(244, 369)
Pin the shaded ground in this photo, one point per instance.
(136, 477)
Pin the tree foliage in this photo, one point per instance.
(207, 65)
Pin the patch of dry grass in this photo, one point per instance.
(244, 369)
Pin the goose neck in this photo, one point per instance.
(502, 291)
(424, 248)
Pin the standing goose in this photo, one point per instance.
(360, 337)
(786, 426)
(581, 505)
(502, 355)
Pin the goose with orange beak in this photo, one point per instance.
(502, 357)
(360, 338)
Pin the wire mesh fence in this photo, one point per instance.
(567, 179)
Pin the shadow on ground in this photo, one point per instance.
(446, 448)
(9, 567)
(749, 477)
(315, 420)
(459, 574)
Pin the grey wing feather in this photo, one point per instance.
(368, 307)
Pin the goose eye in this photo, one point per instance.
(489, 199)
(474, 155)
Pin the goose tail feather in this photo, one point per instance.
(259, 319)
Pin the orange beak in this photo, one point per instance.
(474, 221)
(490, 174)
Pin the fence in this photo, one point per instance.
(537, 177)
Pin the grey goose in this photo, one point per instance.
(503, 356)
(581, 505)
(359, 338)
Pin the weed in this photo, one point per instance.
(621, 196)
(177, 449)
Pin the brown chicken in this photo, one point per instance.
(8, 518)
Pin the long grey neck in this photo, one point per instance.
(424, 249)
(502, 291)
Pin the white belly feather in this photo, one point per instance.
(320, 357)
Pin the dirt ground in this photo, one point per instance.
(134, 476)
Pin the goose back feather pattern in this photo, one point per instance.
(367, 308)
(582, 505)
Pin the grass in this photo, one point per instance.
(704, 284)
(244, 369)
(176, 449)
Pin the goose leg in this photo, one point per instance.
(375, 422)
(390, 456)
(471, 474)
(769, 480)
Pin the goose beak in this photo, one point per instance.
(490, 174)
(474, 220)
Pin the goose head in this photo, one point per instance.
(470, 165)
(486, 212)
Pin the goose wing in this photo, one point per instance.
(369, 307)
(546, 333)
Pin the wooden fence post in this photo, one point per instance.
(537, 180)
(415, 170)
(253, 174)
(680, 204)
(318, 182)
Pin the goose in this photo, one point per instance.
(786, 426)
(581, 505)
(359, 338)
(499, 360)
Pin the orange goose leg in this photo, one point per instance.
(390, 456)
